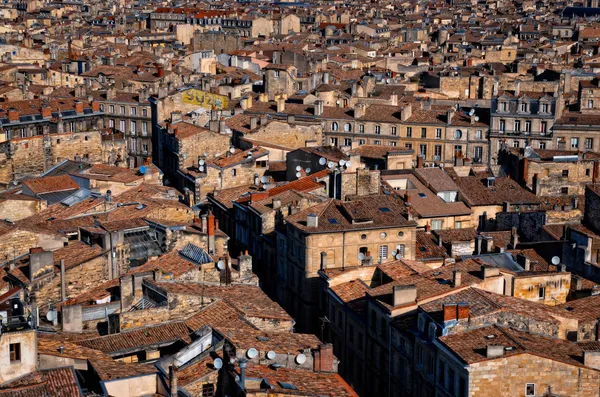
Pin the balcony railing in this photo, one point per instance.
(520, 133)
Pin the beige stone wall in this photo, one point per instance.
(19, 242)
(28, 362)
(556, 288)
(507, 377)
(291, 136)
(551, 180)
(190, 149)
(19, 209)
(142, 318)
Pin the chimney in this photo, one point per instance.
(489, 244)
(487, 272)
(450, 312)
(326, 357)
(406, 112)
(211, 233)
(79, 107)
(517, 87)
(394, 100)
(404, 295)
(245, 265)
(243, 362)
(456, 278)
(312, 220)
(494, 351)
(160, 72)
(253, 123)
(450, 115)
(280, 104)
(263, 119)
(276, 203)
(428, 228)
(173, 381)
(462, 311)
(46, 111)
(63, 285)
(111, 93)
(478, 244)
(95, 106)
(203, 222)
(319, 105)
(323, 260)
(13, 115)
(359, 110)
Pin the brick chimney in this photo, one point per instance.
(323, 359)
(463, 311)
(13, 115)
(450, 312)
(46, 111)
(79, 107)
(160, 71)
(211, 225)
(95, 106)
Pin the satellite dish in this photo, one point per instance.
(472, 112)
(298, 174)
(308, 170)
(555, 260)
(264, 179)
(218, 363)
(398, 256)
(252, 353)
(201, 162)
(51, 315)
(342, 162)
(361, 256)
(331, 164)
(476, 118)
(201, 168)
(142, 169)
(221, 265)
(298, 168)
(271, 355)
(300, 359)
(231, 150)
(348, 164)
(322, 161)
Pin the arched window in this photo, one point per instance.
(348, 127)
(334, 126)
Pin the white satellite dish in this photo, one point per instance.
(361, 256)
(231, 150)
(264, 179)
(218, 363)
(201, 168)
(555, 260)
(201, 162)
(298, 174)
(331, 164)
(476, 118)
(252, 353)
(308, 170)
(398, 256)
(298, 168)
(342, 162)
(271, 355)
(221, 265)
(300, 359)
(322, 161)
(472, 112)
(348, 164)
(51, 315)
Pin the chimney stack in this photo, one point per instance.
(494, 351)
(13, 115)
(46, 111)
(173, 381)
(312, 220)
(243, 362)
(79, 107)
(456, 278)
(450, 312)
(404, 295)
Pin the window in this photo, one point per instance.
(478, 153)
(530, 389)
(528, 126)
(261, 164)
(361, 141)
(333, 141)
(133, 127)
(565, 173)
(524, 107)
(574, 143)
(361, 128)
(504, 106)
(423, 150)
(451, 380)
(515, 143)
(542, 292)
(436, 224)
(502, 126)
(208, 390)
(378, 129)
(145, 112)
(564, 190)
(409, 132)
(543, 127)
(394, 131)
(438, 133)
(347, 142)
(423, 132)
(587, 172)
(517, 125)
(234, 172)
(458, 225)
(122, 109)
(544, 108)
(542, 145)
(377, 142)
(400, 251)
(437, 152)
(145, 148)
(111, 123)
(478, 134)
(457, 134)
(590, 103)
(347, 127)
(383, 251)
(408, 145)
(134, 111)
(15, 352)
(393, 143)
(276, 74)
(145, 127)
(111, 108)
(122, 125)
(589, 143)
(334, 126)
(419, 355)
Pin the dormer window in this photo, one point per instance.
(544, 108)
(504, 106)
(524, 107)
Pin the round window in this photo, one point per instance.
(400, 234)
(383, 235)
(363, 236)
(457, 134)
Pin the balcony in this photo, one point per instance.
(522, 134)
